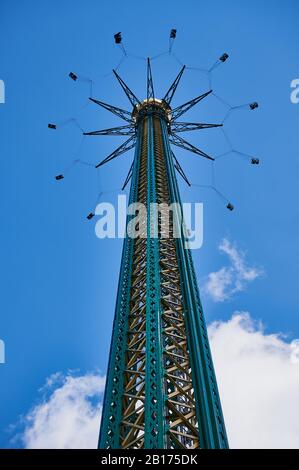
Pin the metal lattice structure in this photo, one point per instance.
(161, 389)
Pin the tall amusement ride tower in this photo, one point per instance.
(161, 390)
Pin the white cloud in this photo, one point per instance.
(258, 380)
(69, 416)
(228, 280)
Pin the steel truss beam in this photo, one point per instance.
(115, 390)
(122, 113)
(161, 390)
(150, 83)
(191, 126)
(131, 97)
(128, 177)
(169, 95)
(210, 419)
(180, 169)
(121, 130)
(177, 112)
(127, 145)
(180, 142)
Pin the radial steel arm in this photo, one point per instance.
(127, 145)
(132, 98)
(129, 176)
(191, 126)
(169, 95)
(150, 84)
(176, 140)
(177, 112)
(180, 169)
(121, 130)
(122, 113)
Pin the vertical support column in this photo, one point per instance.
(132, 425)
(210, 418)
(112, 404)
(154, 405)
(180, 410)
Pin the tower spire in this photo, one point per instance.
(150, 83)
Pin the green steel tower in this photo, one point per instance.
(161, 390)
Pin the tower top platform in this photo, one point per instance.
(151, 106)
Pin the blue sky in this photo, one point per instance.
(58, 280)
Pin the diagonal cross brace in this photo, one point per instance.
(179, 142)
(121, 130)
(191, 126)
(180, 169)
(132, 98)
(150, 83)
(127, 145)
(169, 95)
(122, 113)
(177, 112)
(129, 176)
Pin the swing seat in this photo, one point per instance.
(73, 76)
(224, 57)
(117, 38)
